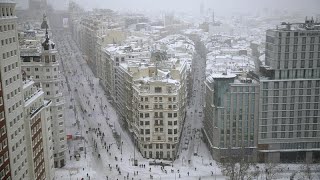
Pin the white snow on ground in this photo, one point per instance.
(94, 115)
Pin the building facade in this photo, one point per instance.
(5, 172)
(159, 108)
(38, 132)
(231, 115)
(289, 124)
(41, 63)
(12, 92)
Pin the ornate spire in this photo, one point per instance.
(45, 44)
(44, 24)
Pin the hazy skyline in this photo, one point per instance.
(222, 7)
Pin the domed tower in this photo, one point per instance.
(51, 82)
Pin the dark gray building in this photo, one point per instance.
(289, 123)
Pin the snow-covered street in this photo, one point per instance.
(107, 150)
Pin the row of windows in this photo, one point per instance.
(11, 67)
(15, 106)
(1, 113)
(6, 11)
(6, 27)
(4, 171)
(293, 84)
(311, 64)
(37, 69)
(15, 120)
(20, 140)
(302, 92)
(159, 146)
(158, 106)
(9, 54)
(285, 113)
(299, 134)
(295, 56)
(292, 106)
(291, 120)
(4, 157)
(3, 130)
(158, 115)
(170, 99)
(37, 150)
(12, 79)
(159, 155)
(277, 106)
(38, 172)
(296, 40)
(38, 160)
(289, 127)
(3, 144)
(45, 59)
(296, 48)
(8, 41)
(20, 167)
(170, 139)
(35, 129)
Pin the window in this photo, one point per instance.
(157, 89)
(310, 64)
(302, 64)
(304, 39)
(295, 56)
(46, 59)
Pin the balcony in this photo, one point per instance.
(158, 137)
(158, 124)
(158, 117)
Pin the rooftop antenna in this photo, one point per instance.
(213, 20)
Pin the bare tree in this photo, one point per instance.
(308, 171)
(272, 170)
(237, 166)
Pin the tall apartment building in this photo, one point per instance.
(5, 172)
(111, 58)
(38, 132)
(159, 107)
(11, 82)
(289, 123)
(88, 41)
(231, 115)
(40, 62)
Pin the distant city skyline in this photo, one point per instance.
(221, 7)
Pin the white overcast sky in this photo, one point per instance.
(220, 6)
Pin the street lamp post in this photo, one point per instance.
(134, 150)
